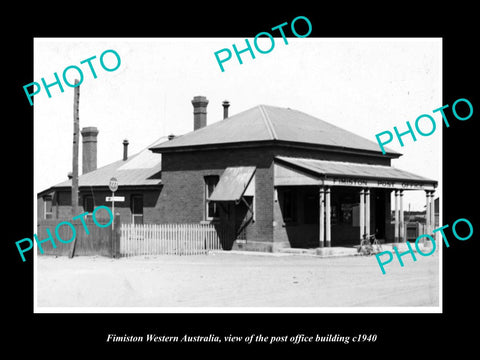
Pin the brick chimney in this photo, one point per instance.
(89, 148)
(125, 149)
(199, 112)
(225, 104)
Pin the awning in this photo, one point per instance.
(301, 171)
(233, 183)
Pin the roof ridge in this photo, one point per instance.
(268, 123)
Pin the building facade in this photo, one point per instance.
(267, 177)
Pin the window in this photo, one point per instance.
(47, 203)
(137, 209)
(88, 204)
(211, 211)
(289, 213)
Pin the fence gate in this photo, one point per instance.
(168, 239)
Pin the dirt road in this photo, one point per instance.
(235, 280)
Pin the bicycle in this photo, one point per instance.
(369, 245)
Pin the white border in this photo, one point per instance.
(254, 310)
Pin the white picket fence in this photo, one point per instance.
(168, 239)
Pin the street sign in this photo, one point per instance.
(115, 198)
(113, 184)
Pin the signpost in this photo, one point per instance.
(113, 185)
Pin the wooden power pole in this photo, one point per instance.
(76, 130)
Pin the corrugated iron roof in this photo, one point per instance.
(140, 169)
(271, 123)
(233, 183)
(348, 169)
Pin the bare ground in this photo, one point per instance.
(235, 280)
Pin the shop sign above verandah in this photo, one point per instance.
(300, 171)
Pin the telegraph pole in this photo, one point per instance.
(76, 130)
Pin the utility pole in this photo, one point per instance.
(76, 130)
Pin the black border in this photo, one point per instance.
(426, 333)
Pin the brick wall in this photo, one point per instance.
(62, 208)
(182, 197)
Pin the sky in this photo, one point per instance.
(364, 85)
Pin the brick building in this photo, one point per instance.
(139, 177)
(270, 177)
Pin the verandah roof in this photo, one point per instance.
(302, 171)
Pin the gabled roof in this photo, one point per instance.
(140, 169)
(264, 123)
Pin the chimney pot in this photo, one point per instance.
(125, 149)
(89, 149)
(225, 104)
(199, 112)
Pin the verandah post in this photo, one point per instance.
(362, 214)
(328, 239)
(321, 215)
